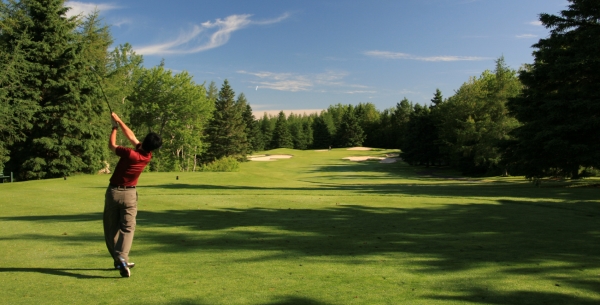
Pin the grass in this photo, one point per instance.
(314, 229)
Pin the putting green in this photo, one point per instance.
(312, 229)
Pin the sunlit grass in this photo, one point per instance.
(314, 229)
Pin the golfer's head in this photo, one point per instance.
(151, 142)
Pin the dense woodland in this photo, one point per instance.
(542, 120)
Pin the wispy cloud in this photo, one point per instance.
(85, 8)
(297, 82)
(280, 81)
(219, 33)
(525, 36)
(536, 23)
(121, 22)
(396, 55)
(360, 92)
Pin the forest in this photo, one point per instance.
(540, 120)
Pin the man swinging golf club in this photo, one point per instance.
(120, 200)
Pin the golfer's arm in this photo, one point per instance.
(112, 140)
(128, 133)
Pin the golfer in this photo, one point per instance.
(120, 200)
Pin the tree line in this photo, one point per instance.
(464, 131)
(539, 121)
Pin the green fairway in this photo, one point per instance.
(313, 229)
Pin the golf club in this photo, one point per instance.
(100, 85)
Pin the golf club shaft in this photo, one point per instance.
(101, 89)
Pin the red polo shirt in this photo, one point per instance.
(130, 165)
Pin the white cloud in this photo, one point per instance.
(271, 21)
(295, 82)
(281, 81)
(121, 22)
(524, 36)
(83, 8)
(219, 33)
(396, 55)
(536, 23)
(360, 92)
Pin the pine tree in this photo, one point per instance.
(225, 132)
(251, 125)
(420, 138)
(560, 103)
(321, 133)
(399, 120)
(307, 132)
(266, 131)
(350, 133)
(64, 136)
(212, 92)
(369, 119)
(16, 109)
(437, 99)
(282, 137)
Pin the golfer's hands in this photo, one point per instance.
(115, 120)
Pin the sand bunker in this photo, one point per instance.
(268, 157)
(369, 158)
(359, 148)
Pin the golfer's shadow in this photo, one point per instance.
(71, 272)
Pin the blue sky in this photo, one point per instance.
(308, 54)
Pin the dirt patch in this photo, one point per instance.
(268, 157)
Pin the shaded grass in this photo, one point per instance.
(313, 229)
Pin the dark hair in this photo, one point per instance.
(151, 142)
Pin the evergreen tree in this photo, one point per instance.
(437, 99)
(282, 137)
(266, 131)
(321, 133)
(212, 92)
(64, 135)
(300, 130)
(368, 118)
(399, 120)
(381, 134)
(420, 138)
(16, 108)
(251, 129)
(225, 133)
(350, 133)
(307, 132)
(560, 103)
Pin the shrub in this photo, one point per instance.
(225, 164)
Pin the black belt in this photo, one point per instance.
(122, 186)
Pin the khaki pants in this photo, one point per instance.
(120, 210)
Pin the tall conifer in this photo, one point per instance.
(64, 132)
(560, 103)
(350, 133)
(226, 131)
(282, 138)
